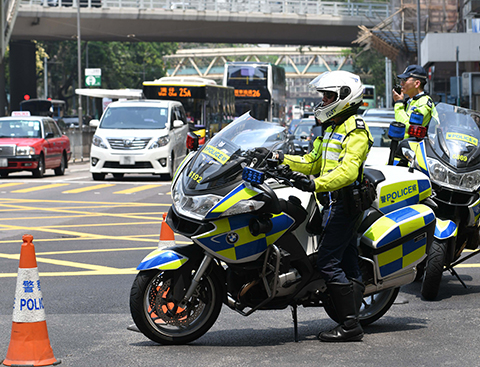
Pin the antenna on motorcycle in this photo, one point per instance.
(192, 141)
(396, 132)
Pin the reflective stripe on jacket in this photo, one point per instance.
(421, 103)
(338, 157)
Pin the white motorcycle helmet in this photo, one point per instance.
(348, 89)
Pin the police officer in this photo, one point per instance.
(413, 82)
(338, 158)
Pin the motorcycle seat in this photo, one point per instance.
(374, 176)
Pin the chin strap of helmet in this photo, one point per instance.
(352, 110)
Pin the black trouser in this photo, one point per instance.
(338, 252)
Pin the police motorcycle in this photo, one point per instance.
(449, 154)
(254, 239)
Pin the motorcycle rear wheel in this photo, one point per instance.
(434, 269)
(373, 306)
(161, 320)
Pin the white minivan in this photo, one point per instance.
(143, 136)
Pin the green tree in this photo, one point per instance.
(123, 64)
(370, 65)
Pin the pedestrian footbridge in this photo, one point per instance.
(297, 22)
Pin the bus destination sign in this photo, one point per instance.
(252, 93)
(175, 92)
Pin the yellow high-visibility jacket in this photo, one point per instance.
(338, 157)
(421, 103)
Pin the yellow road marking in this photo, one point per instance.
(70, 264)
(156, 215)
(126, 271)
(87, 188)
(10, 184)
(79, 202)
(9, 209)
(38, 188)
(92, 214)
(89, 236)
(136, 189)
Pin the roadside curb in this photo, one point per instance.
(74, 161)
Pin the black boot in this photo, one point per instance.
(358, 289)
(347, 307)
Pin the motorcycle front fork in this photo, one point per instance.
(207, 259)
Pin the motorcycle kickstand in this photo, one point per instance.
(295, 322)
(453, 272)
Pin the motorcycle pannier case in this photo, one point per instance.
(399, 240)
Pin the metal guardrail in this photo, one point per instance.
(312, 7)
(80, 142)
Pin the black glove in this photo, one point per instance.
(262, 153)
(277, 156)
(302, 182)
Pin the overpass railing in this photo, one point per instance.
(311, 7)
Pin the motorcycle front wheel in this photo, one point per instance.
(373, 306)
(161, 319)
(434, 269)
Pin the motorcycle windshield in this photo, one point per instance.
(220, 160)
(455, 135)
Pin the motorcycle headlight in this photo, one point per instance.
(442, 175)
(438, 172)
(471, 180)
(193, 206)
(25, 150)
(98, 142)
(160, 142)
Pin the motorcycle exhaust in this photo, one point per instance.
(405, 277)
(287, 279)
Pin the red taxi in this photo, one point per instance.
(32, 143)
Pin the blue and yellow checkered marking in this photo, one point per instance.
(394, 226)
(162, 260)
(445, 229)
(421, 155)
(475, 210)
(241, 192)
(401, 256)
(401, 194)
(246, 245)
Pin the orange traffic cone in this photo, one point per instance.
(167, 237)
(29, 342)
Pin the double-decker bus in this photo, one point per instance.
(209, 107)
(260, 88)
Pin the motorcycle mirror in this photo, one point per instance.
(409, 154)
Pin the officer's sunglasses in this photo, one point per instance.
(404, 80)
(329, 95)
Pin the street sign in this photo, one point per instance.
(93, 77)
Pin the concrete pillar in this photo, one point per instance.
(23, 73)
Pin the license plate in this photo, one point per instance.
(3, 162)
(127, 160)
